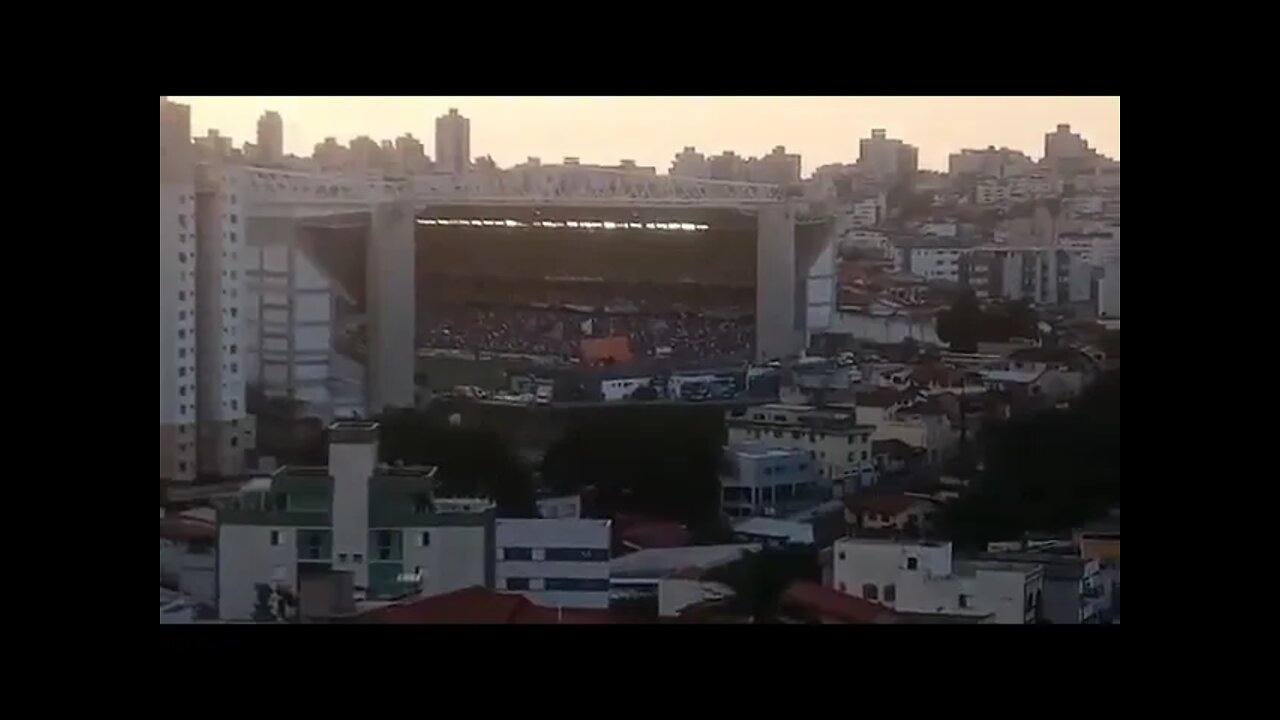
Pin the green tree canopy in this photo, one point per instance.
(471, 461)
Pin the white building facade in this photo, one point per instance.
(766, 482)
(560, 562)
(178, 259)
(920, 577)
(381, 524)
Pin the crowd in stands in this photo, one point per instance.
(652, 329)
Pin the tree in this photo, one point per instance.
(1049, 471)
(759, 579)
(966, 323)
(470, 461)
(656, 460)
(274, 604)
(959, 325)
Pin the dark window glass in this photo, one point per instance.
(517, 583)
(577, 554)
(578, 584)
(517, 553)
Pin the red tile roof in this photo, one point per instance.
(832, 606)
(884, 504)
(646, 534)
(478, 606)
(185, 529)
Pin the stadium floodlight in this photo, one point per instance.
(702, 226)
(426, 221)
(477, 223)
(651, 226)
(610, 225)
(687, 227)
(636, 226)
(572, 223)
(514, 223)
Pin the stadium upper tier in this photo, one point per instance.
(716, 248)
(290, 193)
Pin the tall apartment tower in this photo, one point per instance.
(270, 137)
(453, 142)
(222, 428)
(178, 401)
(203, 426)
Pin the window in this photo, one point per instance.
(233, 348)
(424, 539)
(234, 441)
(182, 372)
(233, 218)
(890, 593)
(842, 555)
(233, 238)
(182, 257)
(514, 553)
(964, 600)
(517, 583)
(382, 543)
(182, 295)
(851, 457)
(420, 503)
(864, 455)
(182, 466)
(342, 557)
(182, 352)
(357, 558)
(235, 367)
(275, 538)
(182, 220)
(182, 314)
(235, 404)
(870, 591)
(912, 563)
(182, 390)
(577, 554)
(578, 584)
(768, 471)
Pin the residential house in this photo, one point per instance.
(898, 512)
(920, 577)
(1074, 592)
(562, 562)
(381, 523)
(760, 481)
(838, 445)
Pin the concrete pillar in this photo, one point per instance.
(390, 299)
(776, 332)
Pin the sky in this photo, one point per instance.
(651, 130)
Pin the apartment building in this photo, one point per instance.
(560, 562)
(381, 524)
(763, 481)
(204, 428)
(920, 577)
(838, 446)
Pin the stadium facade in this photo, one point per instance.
(341, 273)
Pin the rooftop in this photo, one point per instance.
(656, 563)
(832, 605)
(477, 606)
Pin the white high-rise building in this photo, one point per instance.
(177, 295)
(203, 426)
(220, 320)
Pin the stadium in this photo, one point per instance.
(581, 292)
(587, 287)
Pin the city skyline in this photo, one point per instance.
(651, 130)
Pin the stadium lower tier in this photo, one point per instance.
(592, 336)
